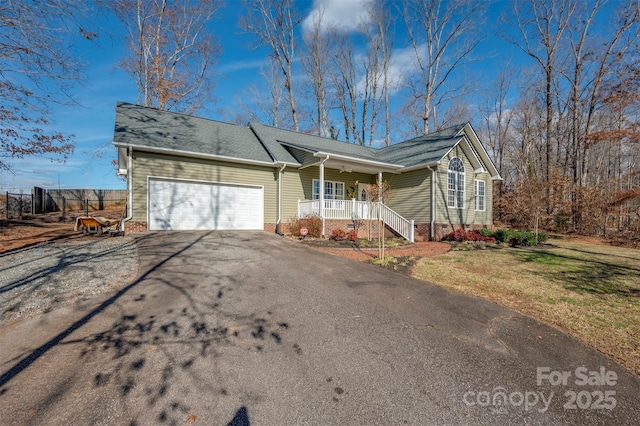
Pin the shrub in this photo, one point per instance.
(338, 234)
(486, 232)
(526, 238)
(515, 237)
(461, 235)
(561, 221)
(503, 235)
(313, 223)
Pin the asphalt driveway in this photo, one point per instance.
(247, 328)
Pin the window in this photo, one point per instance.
(332, 190)
(455, 183)
(480, 195)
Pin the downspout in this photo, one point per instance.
(280, 171)
(433, 204)
(129, 189)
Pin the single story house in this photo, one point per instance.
(188, 172)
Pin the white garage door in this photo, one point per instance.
(187, 205)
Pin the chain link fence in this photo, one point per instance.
(15, 206)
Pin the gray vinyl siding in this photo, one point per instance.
(160, 165)
(468, 214)
(298, 185)
(484, 217)
(411, 194)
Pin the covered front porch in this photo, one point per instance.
(326, 197)
(358, 210)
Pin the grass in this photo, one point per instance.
(590, 291)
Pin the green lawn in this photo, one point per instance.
(590, 291)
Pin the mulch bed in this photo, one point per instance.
(402, 254)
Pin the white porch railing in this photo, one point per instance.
(339, 209)
(396, 222)
(354, 209)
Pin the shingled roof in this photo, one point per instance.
(425, 149)
(155, 130)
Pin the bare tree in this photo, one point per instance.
(172, 51)
(381, 37)
(496, 125)
(375, 67)
(273, 22)
(37, 70)
(344, 78)
(315, 65)
(542, 26)
(340, 76)
(604, 59)
(369, 90)
(443, 34)
(269, 109)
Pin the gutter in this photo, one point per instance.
(190, 154)
(358, 160)
(433, 204)
(419, 166)
(280, 171)
(129, 189)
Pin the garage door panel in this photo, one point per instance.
(179, 205)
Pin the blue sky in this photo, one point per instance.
(239, 67)
(105, 84)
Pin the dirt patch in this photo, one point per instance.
(31, 230)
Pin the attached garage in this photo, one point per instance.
(194, 205)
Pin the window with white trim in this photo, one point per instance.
(480, 195)
(455, 183)
(332, 190)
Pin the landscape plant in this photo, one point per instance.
(515, 237)
(461, 235)
(312, 222)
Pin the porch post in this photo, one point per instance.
(412, 224)
(321, 210)
(380, 218)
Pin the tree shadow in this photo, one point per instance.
(585, 275)
(154, 354)
(46, 281)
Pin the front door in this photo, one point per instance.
(362, 210)
(362, 196)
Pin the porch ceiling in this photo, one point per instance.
(349, 166)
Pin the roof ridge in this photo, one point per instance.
(314, 136)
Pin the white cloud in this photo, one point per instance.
(401, 68)
(241, 66)
(337, 15)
